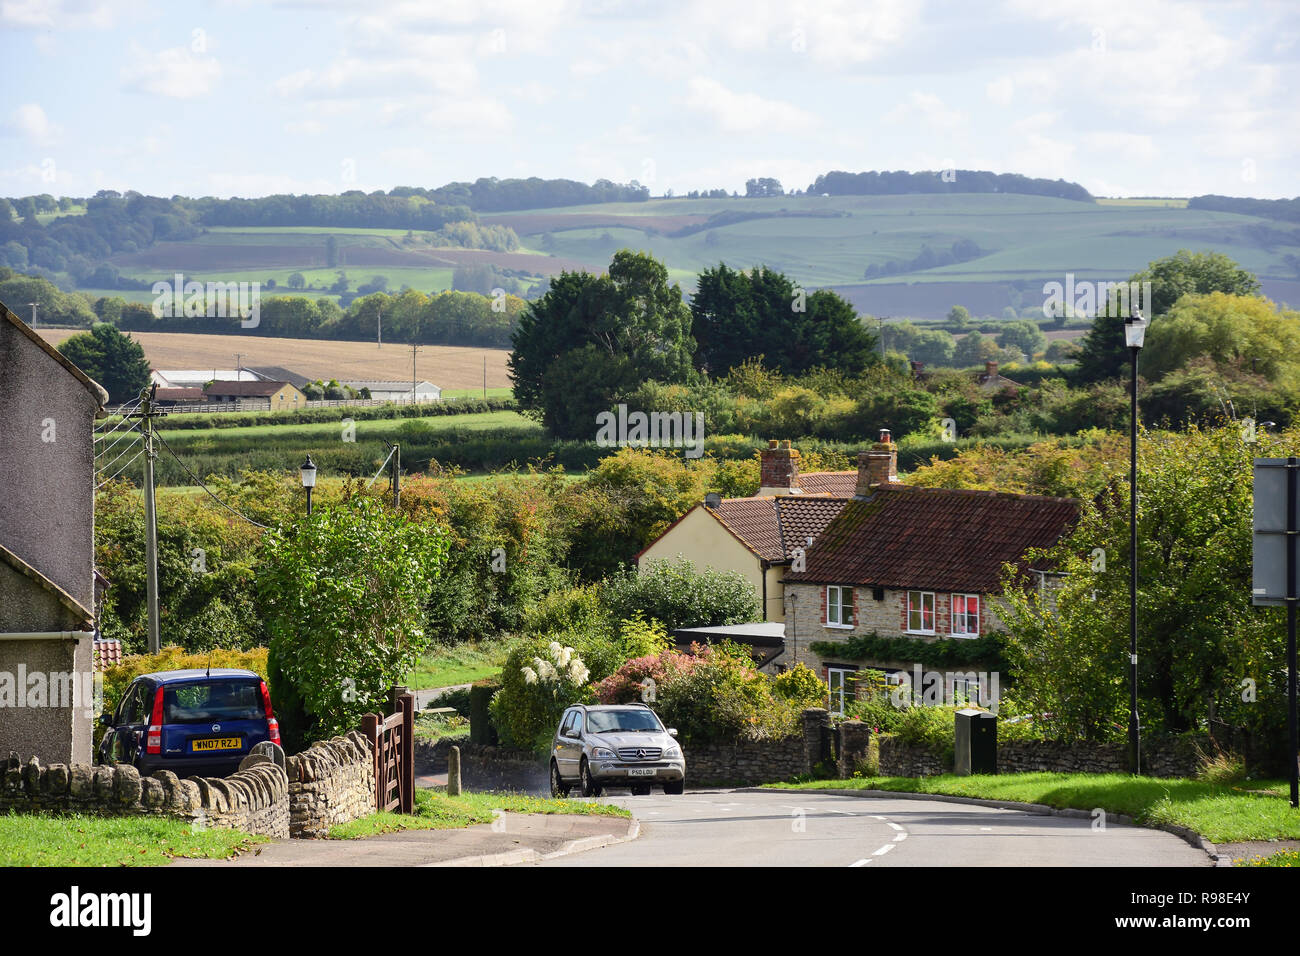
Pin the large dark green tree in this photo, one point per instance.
(738, 315)
(112, 359)
(1104, 355)
(593, 339)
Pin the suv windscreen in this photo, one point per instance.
(622, 721)
(213, 701)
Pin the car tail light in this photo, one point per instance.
(272, 725)
(153, 743)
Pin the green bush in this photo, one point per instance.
(723, 698)
(801, 686)
(538, 682)
(677, 594)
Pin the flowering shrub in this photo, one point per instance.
(629, 684)
(538, 681)
(711, 694)
(800, 686)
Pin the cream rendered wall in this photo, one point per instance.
(702, 540)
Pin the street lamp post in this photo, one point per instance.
(308, 471)
(1135, 327)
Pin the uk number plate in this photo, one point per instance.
(641, 772)
(215, 743)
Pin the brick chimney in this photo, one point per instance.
(779, 469)
(990, 370)
(878, 465)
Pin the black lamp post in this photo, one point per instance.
(1135, 328)
(308, 471)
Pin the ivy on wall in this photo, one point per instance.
(945, 652)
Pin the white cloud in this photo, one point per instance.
(745, 112)
(30, 122)
(60, 14)
(928, 109)
(177, 72)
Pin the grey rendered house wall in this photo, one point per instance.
(47, 418)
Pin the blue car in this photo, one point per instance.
(191, 722)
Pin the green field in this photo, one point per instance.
(819, 241)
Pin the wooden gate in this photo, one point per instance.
(393, 741)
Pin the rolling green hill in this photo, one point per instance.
(822, 241)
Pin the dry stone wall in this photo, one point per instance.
(255, 800)
(332, 781)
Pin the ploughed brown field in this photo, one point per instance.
(448, 366)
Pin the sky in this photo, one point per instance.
(246, 98)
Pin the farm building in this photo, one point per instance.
(199, 377)
(399, 391)
(277, 396)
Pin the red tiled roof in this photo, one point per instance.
(257, 389)
(839, 484)
(939, 539)
(106, 653)
(772, 527)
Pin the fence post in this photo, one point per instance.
(370, 730)
(407, 703)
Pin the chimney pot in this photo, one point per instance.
(779, 469)
(877, 466)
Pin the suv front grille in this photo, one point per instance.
(639, 753)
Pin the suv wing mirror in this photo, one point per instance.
(106, 719)
(672, 731)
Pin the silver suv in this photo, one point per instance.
(615, 745)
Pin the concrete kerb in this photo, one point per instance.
(1190, 837)
(579, 845)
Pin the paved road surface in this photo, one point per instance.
(728, 828)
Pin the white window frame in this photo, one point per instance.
(952, 608)
(839, 591)
(845, 692)
(921, 610)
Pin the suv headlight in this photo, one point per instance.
(603, 753)
(673, 751)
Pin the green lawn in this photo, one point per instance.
(1222, 813)
(447, 665)
(434, 810)
(77, 840)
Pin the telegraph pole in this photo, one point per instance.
(414, 349)
(379, 325)
(147, 413)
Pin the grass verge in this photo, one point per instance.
(434, 810)
(1222, 813)
(78, 840)
(447, 665)
(1285, 858)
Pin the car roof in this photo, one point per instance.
(612, 706)
(196, 673)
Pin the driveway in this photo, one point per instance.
(735, 828)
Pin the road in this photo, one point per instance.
(731, 828)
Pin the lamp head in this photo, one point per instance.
(308, 471)
(1135, 330)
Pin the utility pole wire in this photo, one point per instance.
(199, 482)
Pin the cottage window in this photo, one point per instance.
(841, 689)
(920, 612)
(839, 606)
(966, 615)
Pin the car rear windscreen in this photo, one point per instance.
(214, 700)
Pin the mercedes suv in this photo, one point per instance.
(615, 745)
